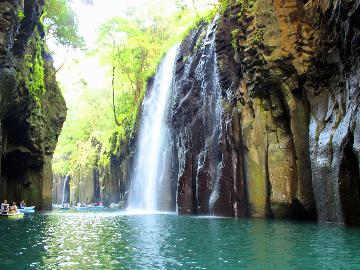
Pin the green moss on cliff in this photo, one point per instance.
(200, 41)
(20, 14)
(234, 38)
(258, 37)
(33, 68)
(245, 6)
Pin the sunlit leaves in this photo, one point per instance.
(61, 23)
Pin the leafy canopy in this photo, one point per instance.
(61, 23)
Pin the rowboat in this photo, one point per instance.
(81, 208)
(96, 207)
(90, 207)
(17, 215)
(27, 209)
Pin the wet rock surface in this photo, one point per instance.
(265, 117)
(32, 109)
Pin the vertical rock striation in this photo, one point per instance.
(99, 181)
(114, 177)
(332, 89)
(265, 118)
(32, 109)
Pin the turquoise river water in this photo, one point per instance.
(116, 240)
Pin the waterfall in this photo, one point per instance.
(149, 183)
(66, 190)
(97, 197)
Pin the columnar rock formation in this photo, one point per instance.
(99, 182)
(32, 109)
(265, 112)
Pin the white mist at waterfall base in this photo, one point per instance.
(149, 180)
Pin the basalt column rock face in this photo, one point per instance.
(114, 177)
(270, 50)
(332, 88)
(265, 117)
(99, 181)
(252, 159)
(195, 121)
(32, 109)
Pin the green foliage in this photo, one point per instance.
(234, 38)
(245, 6)
(206, 17)
(223, 5)
(130, 49)
(89, 116)
(34, 69)
(20, 14)
(132, 46)
(135, 46)
(60, 22)
(258, 37)
(200, 40)
(228, 107)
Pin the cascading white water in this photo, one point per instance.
(148, 177)
(66, 188)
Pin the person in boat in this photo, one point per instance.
(4, 207)
(13, 208)
(22, 204)
(65, 205)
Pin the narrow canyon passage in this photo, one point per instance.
(208, 134)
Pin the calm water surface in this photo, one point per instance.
(115, 240)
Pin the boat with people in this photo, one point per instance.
(56, 206)
(27, 209)
(85, 207)
(10, 211)
(80, 208)
(65, 206)
(95, 207)
(120, 205)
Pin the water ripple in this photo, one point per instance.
(113, 240)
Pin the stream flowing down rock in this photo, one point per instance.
(265, 118)
(32, 108)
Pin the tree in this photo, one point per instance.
(133, 46)
(60, 23)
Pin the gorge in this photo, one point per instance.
(262, 119)
(262, 116)
(176, 134)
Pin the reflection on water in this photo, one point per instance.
(115, 240)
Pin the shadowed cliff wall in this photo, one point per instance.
(32, 109)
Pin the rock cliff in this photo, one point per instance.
(265, 117)
(100, 181)
(32, 109)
